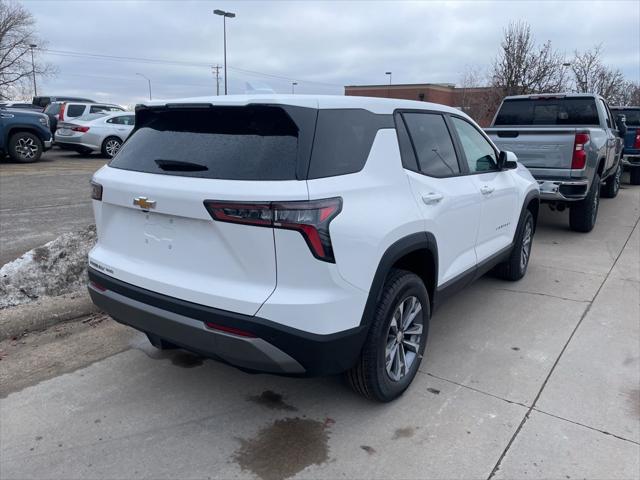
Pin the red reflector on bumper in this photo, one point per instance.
(97, 286)
(231, 330)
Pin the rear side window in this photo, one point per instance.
(632, 116)
(548, 111)
(343, 140)
(433, 144)
(74, 110)
(52, 108)
(231, 143)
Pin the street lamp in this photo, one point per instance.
(33, 69)
(390, 76)
(225, 15)
(149, 81)
(293, 86)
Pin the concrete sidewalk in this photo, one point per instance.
(534, 379)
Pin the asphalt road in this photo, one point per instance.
(534, 379)
(40, 201)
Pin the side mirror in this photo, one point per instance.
(621, 124)
(507, 160)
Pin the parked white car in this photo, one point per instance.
(304, 235)
(96, 132)
(66, 111)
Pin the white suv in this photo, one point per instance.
(304, 235)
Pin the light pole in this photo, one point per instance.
(225, 15)
(149, 81)
(33, 69)
(389, 88)
(293, 86)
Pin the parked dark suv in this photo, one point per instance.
(24, 135)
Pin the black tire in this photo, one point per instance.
(515, 267)
(25, 147)
(634, 175)
(583, 214)
(369, 377)
(612, 186)
(159, 343)
(107, 146)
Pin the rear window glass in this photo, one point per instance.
(74, 110)
(548, 111)
(232, 143)
(343, 140)
(633, 116)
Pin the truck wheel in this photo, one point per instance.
(612, 186)
(583, 214)
(516, 266)
(634, 175)
(396, 340)
(25, 147)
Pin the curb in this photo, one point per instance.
(45, 312)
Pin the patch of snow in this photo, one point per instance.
(55, 268)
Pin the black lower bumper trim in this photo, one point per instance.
(318, 354)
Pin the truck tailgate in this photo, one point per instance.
(536, 147)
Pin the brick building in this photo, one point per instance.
(479, 102)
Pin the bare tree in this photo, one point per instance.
(17, 34)
(522, 67)
(591, 76)
(474, 96)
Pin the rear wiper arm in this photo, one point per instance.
(180, 166)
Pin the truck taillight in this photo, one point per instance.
(61, 112)
(310, 218)
(636, 142)
(579, 159)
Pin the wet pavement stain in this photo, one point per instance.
(368, 449)
(284, 448)
(434, 391)
(271, 400)
(406, 432)
(186, 359)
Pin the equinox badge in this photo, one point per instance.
(144, 203)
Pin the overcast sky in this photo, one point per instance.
(321, 45)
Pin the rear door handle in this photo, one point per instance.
(486, 190)
(432, 198)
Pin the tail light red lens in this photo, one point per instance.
(80, 129)
(636, 142)
(310, 218)
(231, 330)
(579, 159)
(61, 113)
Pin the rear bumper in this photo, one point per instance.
(273, 348)
(71, 144)
(563, 190)
(631, 160)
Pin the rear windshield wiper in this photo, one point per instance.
(180, 166)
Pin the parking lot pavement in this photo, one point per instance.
(534, 379)
(39, 201)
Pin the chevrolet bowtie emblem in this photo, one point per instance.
(144, 203)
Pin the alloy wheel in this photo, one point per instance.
(112, 147)
(525, 252)
(403, 338)
(26, 148)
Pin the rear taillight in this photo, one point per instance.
(231, 330)
(79, 129)
(96, 191)
(579, 159)
(310, 218)
(61, 112)
(636, 142)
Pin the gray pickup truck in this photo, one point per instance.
(571, 144)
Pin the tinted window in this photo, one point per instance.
(127, 120)
(548, 111)
(343, 140)
(633, 116)
(433, 145)
(234, 143)
(481, 157)
(74, 110)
